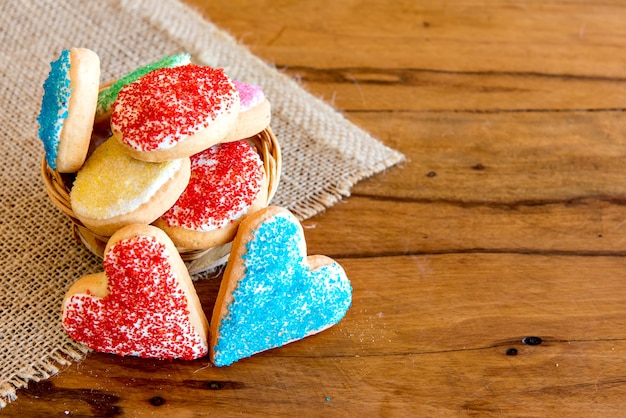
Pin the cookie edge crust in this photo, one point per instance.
(147, 212)
(76, 131)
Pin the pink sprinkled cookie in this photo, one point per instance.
(255, 112)
(273, 294)
(68, 108)
(227, 183)
(175, 112)
(143, 304)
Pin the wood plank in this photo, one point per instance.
(460, 301)
(439, 56)
(559, 38)
(577, 227)
(512, 158)
(426, 90)
(538, 381)
(445, 326)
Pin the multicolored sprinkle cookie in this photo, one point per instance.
(108, 95)
(68, 107)
(143, 304)
(176, 112)
(254, 115)
(113, 189)
(227, 182)
(272, 293)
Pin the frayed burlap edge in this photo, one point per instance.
(42, 370)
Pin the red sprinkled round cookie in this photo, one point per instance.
(227, 182)
(176, 112)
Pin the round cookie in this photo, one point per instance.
(254, 115)
(176, 112)
(227, 183)
(142, 305)
(68, 107)
(108, 95)
(113, 189)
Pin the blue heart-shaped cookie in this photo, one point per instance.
(272, 293)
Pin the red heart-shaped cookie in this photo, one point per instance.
(143, 304)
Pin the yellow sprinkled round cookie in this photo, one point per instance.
(113, 189)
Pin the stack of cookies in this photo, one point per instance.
(166, 143)
(160, 162)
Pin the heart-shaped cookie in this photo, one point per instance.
(272, 293)
(143, 304)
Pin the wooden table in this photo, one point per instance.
(489, 269)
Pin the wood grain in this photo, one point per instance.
(507, 221)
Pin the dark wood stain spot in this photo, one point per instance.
(213, 385)
(511, 351)
(102, 404)
(478, 167)
(157, 401)
(532, 340)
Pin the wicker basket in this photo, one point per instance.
(58, 186)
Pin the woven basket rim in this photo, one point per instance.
(58, 188)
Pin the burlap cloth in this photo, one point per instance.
(323, 154)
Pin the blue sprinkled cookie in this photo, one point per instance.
(68, 108)
(272, 293)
